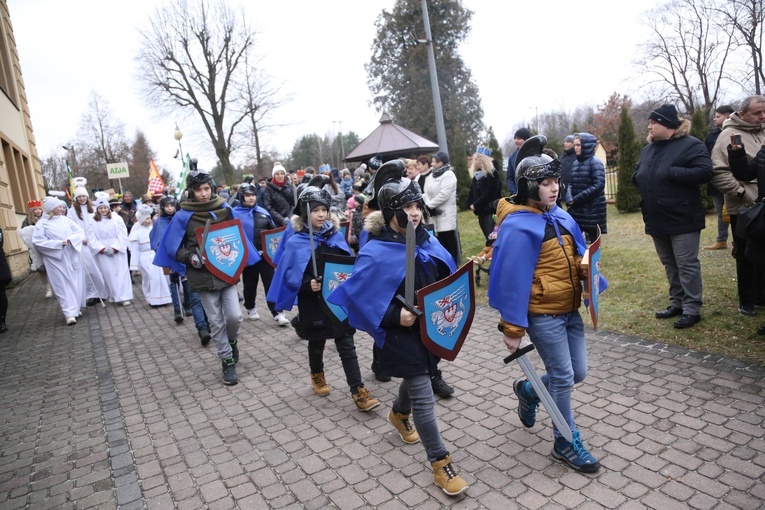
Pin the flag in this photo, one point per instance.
(70, 174)
(156, 183)
(182, 179)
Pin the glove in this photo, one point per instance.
(196, 262)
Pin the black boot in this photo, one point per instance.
(3, 327)
(178, 316)
(440, 387)
(204, 336)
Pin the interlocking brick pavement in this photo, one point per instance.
(127, 410)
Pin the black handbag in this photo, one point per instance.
(750, 222)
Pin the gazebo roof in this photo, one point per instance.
(391, 141)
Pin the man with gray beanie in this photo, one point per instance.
(521, 136)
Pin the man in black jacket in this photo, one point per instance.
(671, 169)
(721, 242)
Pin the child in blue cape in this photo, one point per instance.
(536, 284)
(179, 247)
(254, 220)
(368, 296)
(191, 303)
(295, 279)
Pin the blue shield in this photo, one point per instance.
(270, 240)
(595, 283)
(225, 251)
(337, 269)
(448, 308)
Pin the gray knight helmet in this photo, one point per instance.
(197, 177)
(310, 198)
(166, 200)
(533, 167)
(392, 192)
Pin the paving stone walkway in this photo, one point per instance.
(127, 410)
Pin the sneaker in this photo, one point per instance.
(234, 349)
(229, 372)
(527, 405)
(253, 314)
(126, 303)
(281, 319)
(440, 387)
(71, 321)
(48, 292)
(178, 317)
(204, 336)
(446, 477)
(747, 310)
(575, 454)
(404, 427)
(319, 384)
(364, 400)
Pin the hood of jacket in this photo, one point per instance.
(589, 142)
(736, 122)
(298, 224)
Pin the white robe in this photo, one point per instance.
(63, 263)
(94, 281)
(153, 280)
(111, 233)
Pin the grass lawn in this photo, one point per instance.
(638, 287)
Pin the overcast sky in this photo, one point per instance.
(524, 57)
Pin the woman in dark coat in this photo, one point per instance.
(485, 189)
(588, 183)
(279, 196)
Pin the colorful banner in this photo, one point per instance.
(156, 182)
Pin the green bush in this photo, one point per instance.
(627, 196)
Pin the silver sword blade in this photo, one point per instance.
(544, 396)
(411, 241)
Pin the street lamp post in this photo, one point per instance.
(440, 130)
(178, 135)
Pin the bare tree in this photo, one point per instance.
(259, 100)
(195, 57)
(687, 52)
(746, 17)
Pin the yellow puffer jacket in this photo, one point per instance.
(557, 283)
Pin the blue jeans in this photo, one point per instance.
(415, 395)
(222, 309)
(559, 339)
(190, 301)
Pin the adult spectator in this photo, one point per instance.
(721, 242)
(588, 184)
(566, 163)
(128, 208)
(485, 189)
(279, 196)
(423, 167)
(747, 122)
(440, 197)
(521, 136)
(668, 175)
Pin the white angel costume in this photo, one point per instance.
(108, 242)
(153, 279)
(94, 281)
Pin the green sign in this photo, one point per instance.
(117, 170)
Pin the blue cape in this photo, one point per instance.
(157, 230)
(295, 257)
(515, 257)
(174, 235)
(246, 216)
(377, 275)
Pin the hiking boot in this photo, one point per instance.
(364, 400)
(446, 477)
(234, 349)
(204, 336)
(253, 314)
(719, 245)
(575, 454)
(281, 319)
(527, 405)
(687, 321)
(669, 312)
(404, 427)
(319, 383)
(178, 317)
(229, 372)
(440, 387)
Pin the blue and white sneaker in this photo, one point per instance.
(575, 454)
(527, 405)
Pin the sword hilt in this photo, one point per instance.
(519, 352)
(409, 307)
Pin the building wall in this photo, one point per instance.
(20, 173)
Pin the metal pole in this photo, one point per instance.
(440, 130)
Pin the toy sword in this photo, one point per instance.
(201, 249)
(541, 391)
(313, 249)
(408, 298)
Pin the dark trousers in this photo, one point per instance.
(486, 222)
(448, 240)
(749, 274)
(347, 351)
(250, 277)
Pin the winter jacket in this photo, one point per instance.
(510, 177)
(346, 185)
(254, 221)
(440, 194)
(5, 270)
(737, 193)
(485, 188)
(279, 201)
(668, 176)
(567, 160)
(338, 199)
(588, 184)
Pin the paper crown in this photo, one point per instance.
(324, 168)
(33, 204)
(483, 150)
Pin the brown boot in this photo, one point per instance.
(719, 245)
(319, 383)
(404, 427)
(364, 400)
(447, 478)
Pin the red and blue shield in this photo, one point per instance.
(595, 282)
(225, 251)
(270, 240)
(448, 308)
(337, 269)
